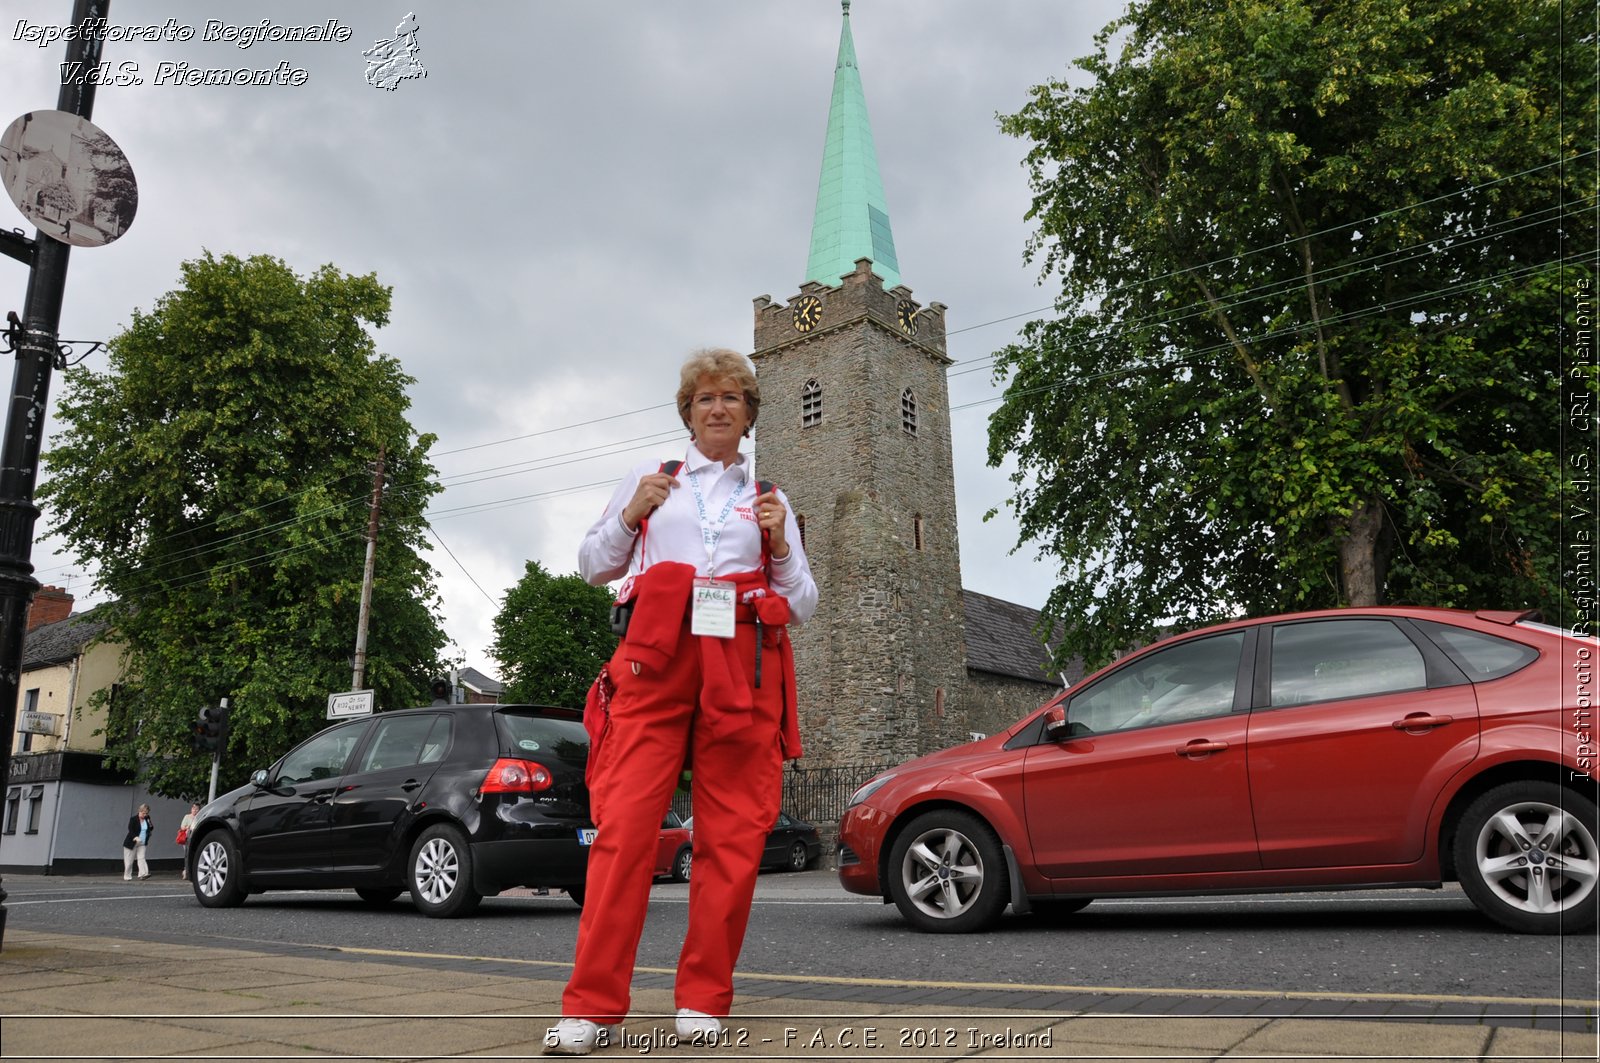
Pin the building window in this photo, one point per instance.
(13, 802)
(800, 522)
(810, 404)
(30, 703)
(35, 806)
(916, 530)
(908, 412)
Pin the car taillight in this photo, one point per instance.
(510, 776)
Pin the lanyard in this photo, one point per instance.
(709, 535)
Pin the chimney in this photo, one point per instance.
(49, 605)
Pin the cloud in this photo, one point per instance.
(573, 198)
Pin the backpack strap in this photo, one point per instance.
(764, 487)
(671, 469)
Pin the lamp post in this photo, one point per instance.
(35, 340)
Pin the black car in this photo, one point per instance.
(792, 845)
(454, 803)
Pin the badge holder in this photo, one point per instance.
(712, 611)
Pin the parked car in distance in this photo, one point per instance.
(674, 852)
(452, 802)
(792, 845)
(1339, 749)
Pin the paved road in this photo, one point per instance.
(1361, 952)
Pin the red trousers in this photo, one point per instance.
(738, 780)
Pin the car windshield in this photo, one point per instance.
(565, 740)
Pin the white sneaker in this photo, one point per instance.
(698, 1027)
(576, 1037)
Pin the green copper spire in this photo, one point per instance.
(852, 219)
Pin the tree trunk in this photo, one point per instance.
(1359, 534)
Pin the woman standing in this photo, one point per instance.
(704, 676)
(134, 843)
(184, 828)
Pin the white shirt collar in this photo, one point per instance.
(696, 461)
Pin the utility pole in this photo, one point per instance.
(36, 343)
(366, 575)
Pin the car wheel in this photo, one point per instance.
(797, 857)
(440, 873)
(681, 864)
(576, 893)
(377, 896)
(218, 873)
(947, 874)
(1527, 857)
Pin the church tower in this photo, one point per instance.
(855, 427)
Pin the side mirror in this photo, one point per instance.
(259, 779)
(1055, 723)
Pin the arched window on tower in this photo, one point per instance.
(810, 404)
(908, 412)
(800, 522)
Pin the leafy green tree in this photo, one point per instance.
(551, 637)
(217, 474)
(1310, 254)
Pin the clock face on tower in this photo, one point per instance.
(906, 314)
(807, 313)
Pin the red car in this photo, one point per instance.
(674, 850)
(1346, 748)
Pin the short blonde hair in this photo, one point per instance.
(718, 363)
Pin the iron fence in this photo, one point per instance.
(816, 795)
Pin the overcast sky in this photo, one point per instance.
(575, 196)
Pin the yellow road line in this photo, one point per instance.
(1026, 987)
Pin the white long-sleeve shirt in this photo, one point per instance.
(677, 531)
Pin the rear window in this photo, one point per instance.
(541, 736)
(1480, 656)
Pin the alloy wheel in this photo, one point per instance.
(211, 868)
(438, 869)
(1537, 858)
(943, 873)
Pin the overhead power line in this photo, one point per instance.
(1258, 294)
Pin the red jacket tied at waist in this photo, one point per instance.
(660, 624)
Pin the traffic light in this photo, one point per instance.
(440, 689)
(211, 729)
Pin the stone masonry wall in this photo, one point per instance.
(882, 662)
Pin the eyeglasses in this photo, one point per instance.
(705, 402)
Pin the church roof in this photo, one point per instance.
(1001, 640)
(852, 218)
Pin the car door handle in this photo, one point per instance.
(1201, 747)
(322, 797)
(409, 785)
(1421, 721)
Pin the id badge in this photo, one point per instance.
(711, 612)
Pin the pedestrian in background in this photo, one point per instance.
(184, 828)
(705, 672)
(133, 845)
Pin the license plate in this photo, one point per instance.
(587, 835)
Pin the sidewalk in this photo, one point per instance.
(67, 997)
